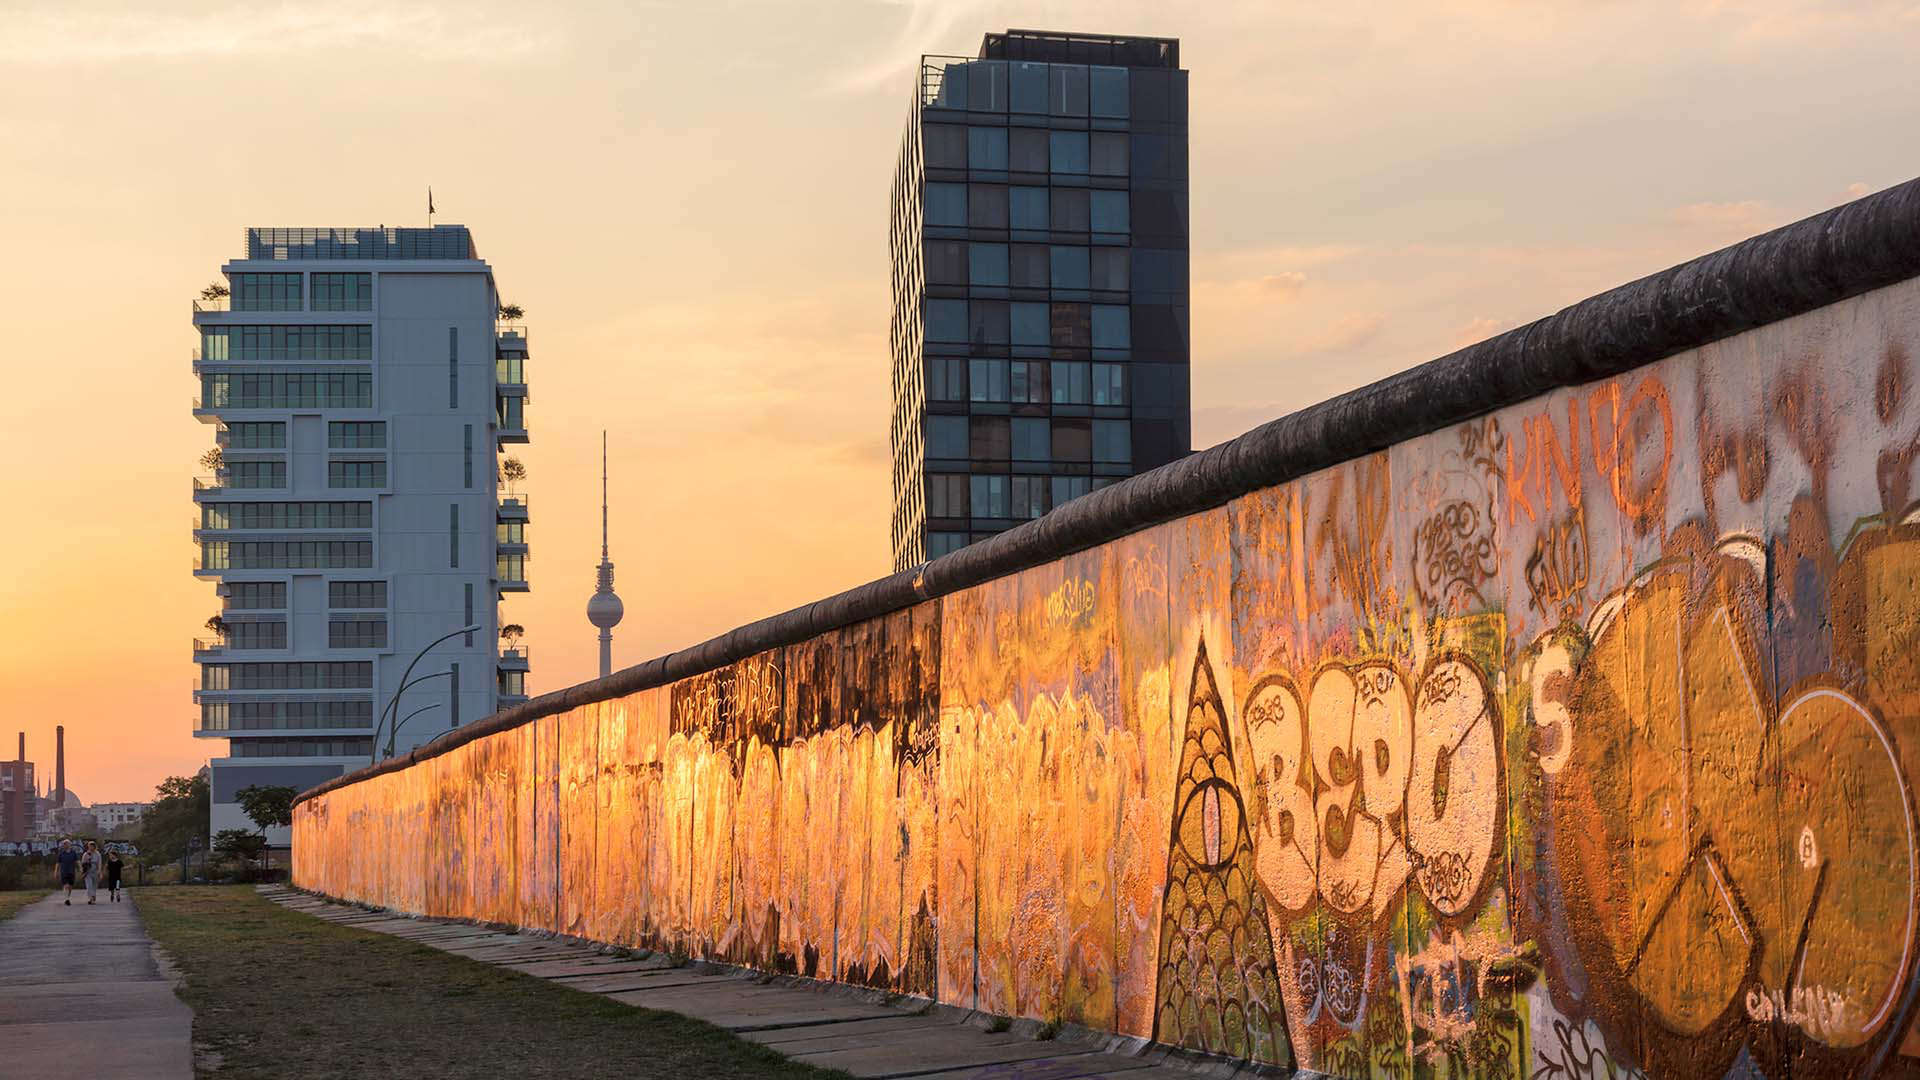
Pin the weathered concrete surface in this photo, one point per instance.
(81, 995)
(826, 1026)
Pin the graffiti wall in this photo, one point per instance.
(1573, 741)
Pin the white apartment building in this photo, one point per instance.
(114, 815)
(360, 388)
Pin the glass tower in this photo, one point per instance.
(1040, 299)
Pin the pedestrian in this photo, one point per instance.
(114, 866)
(69, 862)
(90, 866)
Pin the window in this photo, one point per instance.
(1070, 209)
(356, 594)
(266, 292)
(512, 414)
(301, 748)
(1066, 488)
(1028, 93)
(253, 343)
(468, 589)
(947, 437)
(987, 206)
(1027, 150)
(343, 292)
(1030, 440)
(946, 262)
(1109, 211)
(280, 675)
(1109, 153)
(287, 390)
(453, 535)
(989, 440)
(1109, 91)
(1109, 384)
(1028, 497)
(453, 695)
(285, 554)
(1029, 323)
(256, 435)
(1110, 328)
(1028, 382)
(1070, 383)
(944, 543)
(1072, 440)
(1067, 152)
(987, 322)
(285, 715)
(946, 495)
(947, 204)
(513, 683)
(945, 146)
(510, 532)
(987, 86)
(989, 496)
(1027, 208)
(356, 474)
(1067, 90)
(469, 453)
(987, 148)
(357, 632)
(1109, 269)
(286, 515)
(946, 379)
(1071, 326)
(255, 595)
(510, 568)
(453, 367)
(1028, 268)
(946, 320)
(255, 474)
(987, 380)
(1112, 442)
(1071, 269)
(262, 634)
(356, 434)
(987, 264)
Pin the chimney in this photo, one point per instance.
(60, 765)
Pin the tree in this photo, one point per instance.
(512, 312)
(215, 459)
(512, 471)
(217, 625)
(268, 805)
(179, 813)
(238, 844)
(511, 633)
(215, 291)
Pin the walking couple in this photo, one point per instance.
(92, 864)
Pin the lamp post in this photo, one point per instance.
(395, 733)
(394, 730)
(393, 702)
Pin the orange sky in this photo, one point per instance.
(690, 201)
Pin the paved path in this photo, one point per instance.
(821, 1024)
(81, 995)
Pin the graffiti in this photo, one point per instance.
(1605, 772)
(1217, 986)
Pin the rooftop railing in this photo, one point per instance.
(305, 244)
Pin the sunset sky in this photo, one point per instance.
(690, 201)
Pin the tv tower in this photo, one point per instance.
(605, 609)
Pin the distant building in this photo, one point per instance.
(114, 815)
(1040, 282)
(19, 797)
(360, 389)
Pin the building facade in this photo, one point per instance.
(1040, 282)
(360, 388)
(116, 815)
(19, 797)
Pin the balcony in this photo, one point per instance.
(510, 340)
(209, 648)
(513, 510)
(510, 573)
(510, 418)
(513, 658)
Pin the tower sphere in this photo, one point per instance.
(605, 610)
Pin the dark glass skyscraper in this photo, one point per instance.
(1040, 300)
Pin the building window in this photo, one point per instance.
(946, 262)
(1027, 92)
(254, 474)
(947, 437)
(343, 292)
(252, 343)
(946, 320)
(987, 206)
(279, 675)
(1067, 488)
(987, 380)
(987, 322)
(513, 683)
(1067, 89)
(1067, 152)
(510, 532)
(946, 495)
(453, 535)
(1072, 440)
(301, 748)
(453, 367)
(286, 554)
(356, 594)
(1109, 269)
(1072, 326)
(1028, 382)
(287, 390)
(1109, 384)
(1028, 266)
(946, 205)
(356, 474)
(1027, 150)
(1030, 440)
(1108, 211)
(1028, 323)
(359, 632)
(1109, 153)
(512, 415)
(262, 634)
(266, 292)
(989, 496)
(468, 589)
(1027, 208)
(510, 568)
(1110, 327)
(469, 458)
(1070, 209)
(944, 543)
(1112, 442)
(286, 715)
(255, 595)
(989, 438)
(946, 378)
(286, 515)
(1070, 383)
(453, 695)
(356, 434)
(1109, 91)
(987, 148)
(1070, 268)
(256, 435)
(986, 264)
(1029, 497)
(945, 146)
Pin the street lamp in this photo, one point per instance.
(404, 687)
(403, 723)
(393, 702)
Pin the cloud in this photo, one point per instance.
(930, 25)
(78, 34)
(1476, 331)
(1284, 283)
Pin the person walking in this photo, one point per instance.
(114, 866)
(69, 862)
(90, 867)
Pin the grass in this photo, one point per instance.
(278, 993)
(12, 900)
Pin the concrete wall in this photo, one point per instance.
(1572, 740)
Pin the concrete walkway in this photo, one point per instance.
(821, 1024)
(81, 995)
